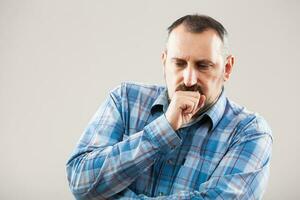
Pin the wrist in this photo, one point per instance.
(172, 121)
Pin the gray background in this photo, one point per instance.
(59, 59)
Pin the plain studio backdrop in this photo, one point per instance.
(59, 59)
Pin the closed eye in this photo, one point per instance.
(204, 65)
(180, 64)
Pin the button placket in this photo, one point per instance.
(170, 162)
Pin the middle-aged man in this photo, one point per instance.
(183, 141)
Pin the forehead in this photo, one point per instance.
(184, 44)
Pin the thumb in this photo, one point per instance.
(201, 103)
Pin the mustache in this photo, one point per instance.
(193, 88)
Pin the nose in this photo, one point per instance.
(189, 76)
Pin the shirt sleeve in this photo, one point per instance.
(106, 162)
(242, 173)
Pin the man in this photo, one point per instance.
(182, 141)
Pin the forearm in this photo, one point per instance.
(237, 186)
(105, 171)
(242, 173)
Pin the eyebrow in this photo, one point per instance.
(206, 61)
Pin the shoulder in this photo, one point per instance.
(248, 122)
(133, 90)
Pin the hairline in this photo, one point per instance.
(224, 40)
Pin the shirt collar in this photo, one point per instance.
(161, 102)
(215, 113)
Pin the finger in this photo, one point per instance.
(187, 106)
(202, 100)
(197, 103)
(200, 104)
(193, 94)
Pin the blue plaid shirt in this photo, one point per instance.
(130, 151)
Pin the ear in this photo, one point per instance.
(228, 67)
(164, 57)
(163, 60)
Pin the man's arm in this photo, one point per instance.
(103, 163)
(242, 173)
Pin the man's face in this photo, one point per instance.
(195, 61)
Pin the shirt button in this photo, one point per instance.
(170, 162)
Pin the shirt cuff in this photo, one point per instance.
(162, 135)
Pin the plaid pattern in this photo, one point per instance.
(129, 151)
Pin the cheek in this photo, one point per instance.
(172, 76)
(215, 83)
(211, 82)
(216, 76)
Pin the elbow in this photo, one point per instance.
(81, 186)
(82, 182)
(77, 183)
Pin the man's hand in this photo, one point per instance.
(183, 106)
